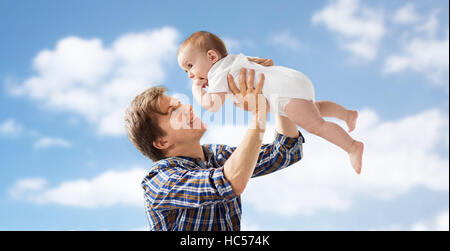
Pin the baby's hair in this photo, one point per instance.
(205, 41)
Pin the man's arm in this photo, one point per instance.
(240, 166)
(281, 153)
(286, 127)
(284, 151)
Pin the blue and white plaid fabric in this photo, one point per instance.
(187, 194)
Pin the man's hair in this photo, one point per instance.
(141, 122)
(205, 41)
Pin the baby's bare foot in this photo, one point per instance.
(356, 156)
(352, 117)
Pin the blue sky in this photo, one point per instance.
(69, 68)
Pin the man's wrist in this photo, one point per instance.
(259, 121)
(287, 141)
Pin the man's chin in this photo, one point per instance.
(198, 124)
(197, 131)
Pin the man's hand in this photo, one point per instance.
(262, 61)
(249, 98)
(240, 166)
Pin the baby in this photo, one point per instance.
(290, 93)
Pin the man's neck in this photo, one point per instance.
(188, 150)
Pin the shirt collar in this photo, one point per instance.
(194, 161)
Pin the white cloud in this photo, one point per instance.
(232, 44)
(108, 189)
(285, 39)
(430, 25)
(360, 27)
(427, 56)
(47, 142)
(424, 50)
(10, 128)
(23, 185)
(139, 229)
(236, 45)
(406, 14)
(439, 222)
(85, 77)
(250, 227)
(399, 155)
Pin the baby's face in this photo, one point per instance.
(195, 63)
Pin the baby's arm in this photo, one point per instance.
(209, 101)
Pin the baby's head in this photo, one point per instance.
(198, 53)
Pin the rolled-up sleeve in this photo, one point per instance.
(175, 188)
(283, 152)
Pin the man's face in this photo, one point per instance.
(180, 123)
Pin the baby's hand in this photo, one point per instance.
(199, 83)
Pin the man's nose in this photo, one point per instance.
(191, 76)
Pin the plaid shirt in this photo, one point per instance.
(187, 194)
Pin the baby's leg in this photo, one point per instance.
(331, 109)
(305, 114)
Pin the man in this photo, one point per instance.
(198, 187)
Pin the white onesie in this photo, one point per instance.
(281, 84)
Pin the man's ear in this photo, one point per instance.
(161, 143)
(213, 56)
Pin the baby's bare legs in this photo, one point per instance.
(306, 114)
(331, 109)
